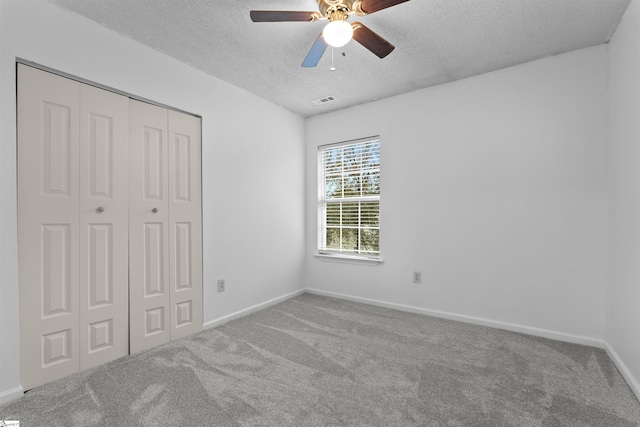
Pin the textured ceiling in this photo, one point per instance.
(436, 41)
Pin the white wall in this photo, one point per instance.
(253, 161)
(494, 187)
(623, 302)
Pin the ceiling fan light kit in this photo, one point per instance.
(338, 32)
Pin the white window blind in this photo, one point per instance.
(349, 198)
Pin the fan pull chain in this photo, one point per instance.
(332, 66)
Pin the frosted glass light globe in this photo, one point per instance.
(337, 33)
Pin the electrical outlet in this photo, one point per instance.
(221, 285)
(417, 277)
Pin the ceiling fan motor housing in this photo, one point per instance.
(339, 10)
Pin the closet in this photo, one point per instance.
(109, 225)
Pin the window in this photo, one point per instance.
(349, 198)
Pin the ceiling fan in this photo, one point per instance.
(338, 31)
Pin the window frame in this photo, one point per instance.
(323, 202)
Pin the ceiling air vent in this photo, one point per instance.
(324, 100)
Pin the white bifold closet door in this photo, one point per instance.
(165, 231)
(72, 225)
(109, 225)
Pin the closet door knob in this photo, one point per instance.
(100, 209)
(154, 210)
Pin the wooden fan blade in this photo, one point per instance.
(283, 16)
(316, 52)
(370, 6)
(372, 41)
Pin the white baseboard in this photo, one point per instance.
(11, 395)
(224, 319)
(624, 370)
(554, 335)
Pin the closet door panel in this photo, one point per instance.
(104, 231)
(48, 210)
(149, 292)
(185, 224)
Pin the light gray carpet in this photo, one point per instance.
(317, 361)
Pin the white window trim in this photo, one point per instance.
(329, 255)
(353, 259)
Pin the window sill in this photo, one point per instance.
(349, 258)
